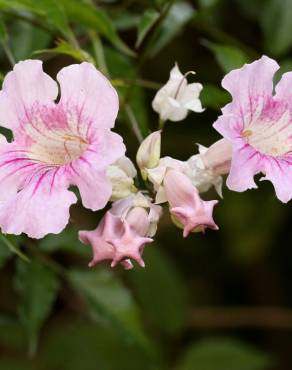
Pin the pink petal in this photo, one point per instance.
(245, 163)
(249, 82)
(94, 186)
(279, 172)
(283, 88)
(40, 208)
(26, 85)
(85, 87)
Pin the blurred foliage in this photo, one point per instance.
(55, 313)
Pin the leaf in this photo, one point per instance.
(160, 283)
(64, 48)
(100, 346)
(120, 66)
(276, 24)
(37, 287)
(25, 38)
(221, 354)
(51, 10)
(147, 21)
(11, 245)
(95, 19)
(67, 241)
(214, 97)
(5, 254)
(178, 16)
(228, 57)
(110, 303)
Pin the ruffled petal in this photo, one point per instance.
(85, 88)
(249, 83)
(279, 172)
(40, 208)
(94, 186)
(245, 163)
(283, 88)
(24, 87)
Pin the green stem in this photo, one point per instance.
(133, 123)
(98, 52)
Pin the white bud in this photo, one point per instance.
(148, 154)
(121, 174)
(176, 97)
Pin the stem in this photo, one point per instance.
(127, 82)
(134, 123)
(241, 316)
(98, 51)
(161, 124)
(8, 53)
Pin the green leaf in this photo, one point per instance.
(147, 21)
(227, 56)
(25, 38)
(276, 23)
(95, 19)
(64, 48)
(110, 303)
(51, 10)
(67, 241)
(178, 16)
(5, 254)
(10, 243)
(37, 287)
(3, 32)
(214, 97)
(100, 347)
(120, 66)
(221, 354)
(160, 283)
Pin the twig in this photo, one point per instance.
(241, 316)
(134, 123)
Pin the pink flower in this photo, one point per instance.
(258, 125)
(123, 232)
(186, 206)
(55, 145)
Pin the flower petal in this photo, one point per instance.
(283, 88)
(250, 82)
(279, 172)
(26, 85)
(84, 87)
(40, 208)
(94, 186)
(245, 164)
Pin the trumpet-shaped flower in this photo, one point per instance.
(55, 145)
(123, 232)
(186, 206)
(174, 100)
(258, 125)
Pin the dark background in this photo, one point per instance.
(219, 301)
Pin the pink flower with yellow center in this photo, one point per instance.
(56, 144)
(258, 125)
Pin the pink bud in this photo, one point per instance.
(193, 213)
(116, 240)
(218, 157)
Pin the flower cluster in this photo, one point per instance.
(65, 141)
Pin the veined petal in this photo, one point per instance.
(94, 186)
(279, 172)
(85, 87)
(249, 83)
(245, 163)
(40, 208)
(22, 88)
